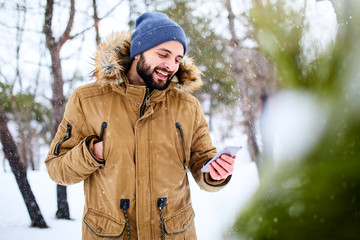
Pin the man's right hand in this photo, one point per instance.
(98, 150)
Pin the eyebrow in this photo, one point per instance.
(168, 51)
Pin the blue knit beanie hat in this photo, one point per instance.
(152, 29)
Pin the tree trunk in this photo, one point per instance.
(31, 156)
(12, 154)
(58, 99)
(63, 211)
(239, 70)
(57, 104)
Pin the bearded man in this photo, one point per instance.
(134, 134)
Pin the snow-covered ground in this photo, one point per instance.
(215, 212)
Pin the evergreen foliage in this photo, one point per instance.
(26, 104)
(210, 52)
(316, 197)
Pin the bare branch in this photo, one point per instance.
(19, 34)
(66, 34)
(231, 17)
(96, 23)
(82, 32)
(111, 10)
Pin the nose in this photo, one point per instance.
(170, 65)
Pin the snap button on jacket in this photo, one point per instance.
(151, 143)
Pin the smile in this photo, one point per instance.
(161, 73)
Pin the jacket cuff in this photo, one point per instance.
(89, 143)
(215, 183)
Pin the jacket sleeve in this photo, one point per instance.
(70, 159)
(202, 150)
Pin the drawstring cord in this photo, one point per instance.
(124, 205)
(161, 204)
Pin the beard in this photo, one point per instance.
(146, 73)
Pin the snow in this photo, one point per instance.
(295, 130)
(321, 23)
(214, 212)
(14, 218)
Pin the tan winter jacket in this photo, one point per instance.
(141, 188)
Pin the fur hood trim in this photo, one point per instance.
(112, 61)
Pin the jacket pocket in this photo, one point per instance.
(65, 138)
(180, 221)
(181, 139)
(103, 225)
(104, 125)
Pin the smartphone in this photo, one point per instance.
(230, 150)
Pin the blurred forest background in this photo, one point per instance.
(249, 51)
(313, 192)
(47, 48)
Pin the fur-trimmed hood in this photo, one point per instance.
(112, 61)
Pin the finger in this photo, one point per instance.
(221, 171)
(98, 150)
(213, 173)
(225, 165)
(227, 158)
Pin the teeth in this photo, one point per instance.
(162, 73)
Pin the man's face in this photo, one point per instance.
(158, 65)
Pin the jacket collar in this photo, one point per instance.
(112, 62)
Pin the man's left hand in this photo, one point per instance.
(222, 167)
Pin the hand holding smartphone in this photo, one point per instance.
(230, 150)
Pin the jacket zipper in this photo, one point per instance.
(179, 128)
(146, 101)
(67, 137)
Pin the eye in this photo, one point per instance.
(162, 55)
(177, 60)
